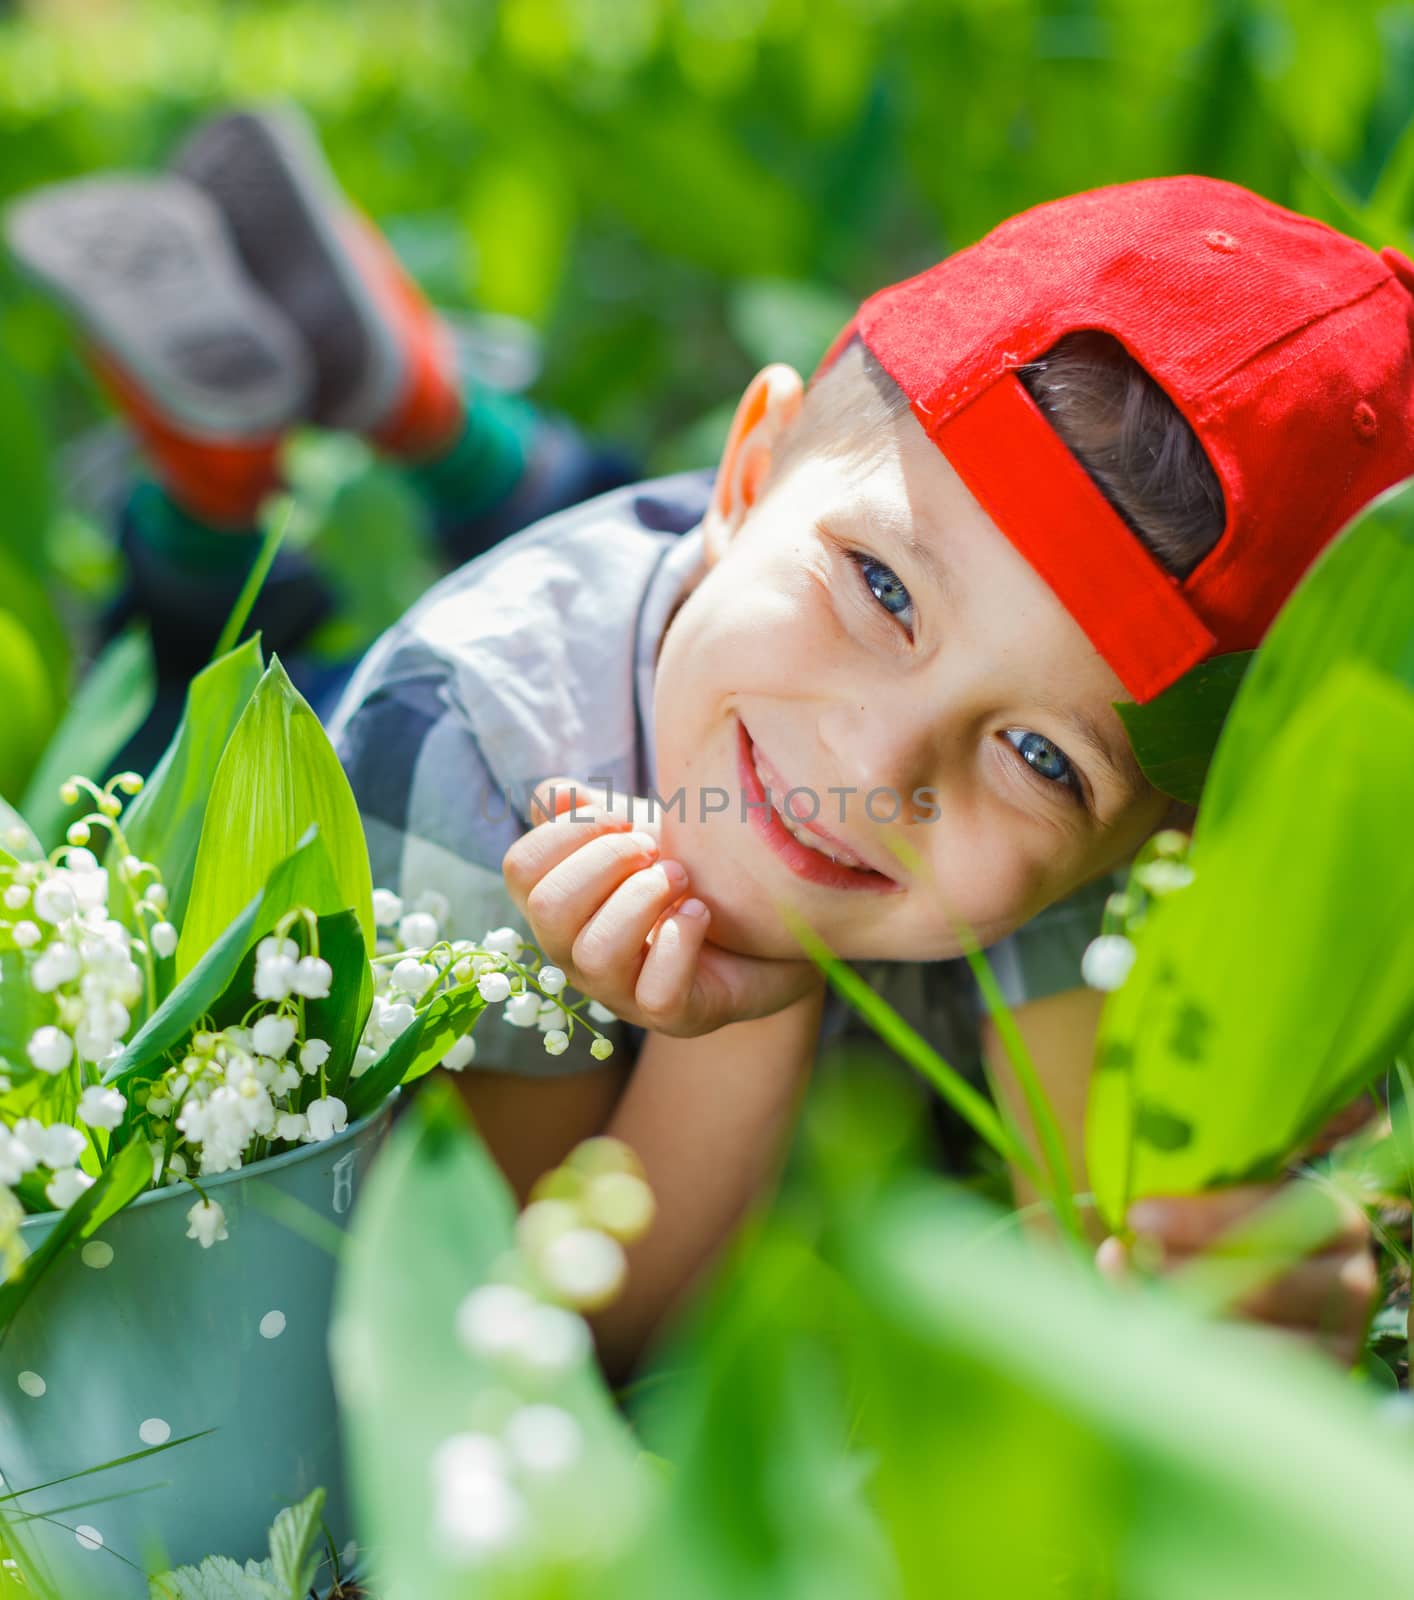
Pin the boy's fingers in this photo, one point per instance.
(611, 940)
(555, 797)
(1187, 1224)
(665, 981)
(568, 895)
(1190, 1222)
(539, 852)
(1332, 1292)
(551, 797)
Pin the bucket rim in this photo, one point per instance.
(286, 1158)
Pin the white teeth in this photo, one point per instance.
(802, 834)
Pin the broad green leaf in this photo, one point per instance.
(1175, 734)
(339, 1018)
(31, 709)
(24, 463)
(26, 595)
(304, 878)
(22, 1010)
(767, 1500)
(1271, 989)
(109, 706)
(1355, 604)
(124, 1178)
(294, 1547)
(434, 1219)
(416, 1050)
(1120, 1423)
(278, 775)
(163, 824)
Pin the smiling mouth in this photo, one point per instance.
(808, 852)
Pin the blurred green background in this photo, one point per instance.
(677, 190)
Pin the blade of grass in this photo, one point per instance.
(255, 581)
(1043, 1117)
(118, 1461)
(980, 1114)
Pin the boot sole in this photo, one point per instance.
(289, 220)
(147, 266)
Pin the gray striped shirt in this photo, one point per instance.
(537, 659)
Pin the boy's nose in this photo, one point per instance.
(892, 766)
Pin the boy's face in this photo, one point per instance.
(865, 627)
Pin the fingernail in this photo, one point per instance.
(675, 872)
(693, 908)
(645, 842)
(1112, 1260)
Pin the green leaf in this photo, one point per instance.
(121, 1181)
(303, 878)
(433, 1221)
(416, 1050)
(26, 595)
(22, 1010)
(294, 1539)
(270, 544)
(1353, 605)
(31, 709)
(24, 460)
(339, 1018)
(1175, 734)
(278, 775)
(11, 821)
(1393, 194)
(1276, 985)
(217, 1578)
(1119, 1423)
(163, 824)
(108, 708)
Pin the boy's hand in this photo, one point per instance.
(1324, 1299)
(621, 924)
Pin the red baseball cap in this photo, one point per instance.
(1288, 346)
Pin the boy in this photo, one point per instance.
(917, 590)
(835, 617)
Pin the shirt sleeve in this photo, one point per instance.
(435, 818)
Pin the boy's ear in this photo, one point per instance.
(768, 407)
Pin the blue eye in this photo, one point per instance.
(887, 588)
(1045, 759)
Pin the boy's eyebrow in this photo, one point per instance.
(926, 557)
(1119, 760)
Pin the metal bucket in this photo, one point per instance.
(147, 1338)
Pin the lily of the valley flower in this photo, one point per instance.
(65, 1187)
(50, 1049)
(206, 1223)
(1107, 961)
(461, 1054)
(493, 987)
(273, 1035)
(100, 1107)
(326, 1118)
